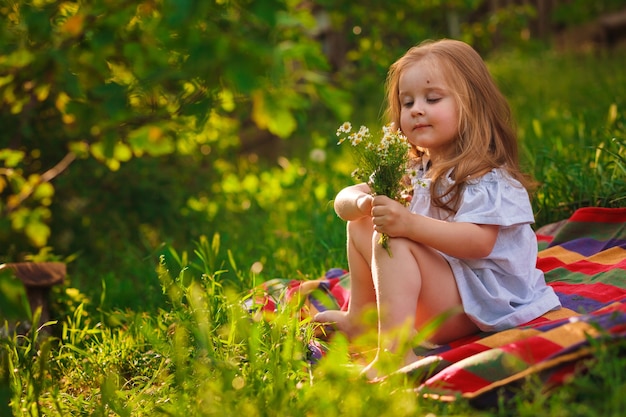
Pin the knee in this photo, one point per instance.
(399, 245)
(361, 227)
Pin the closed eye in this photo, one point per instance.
(433, 100)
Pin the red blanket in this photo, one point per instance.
(584, 260)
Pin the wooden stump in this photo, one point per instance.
(38, 278)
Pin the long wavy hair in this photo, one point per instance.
(486, 133)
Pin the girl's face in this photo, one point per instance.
(429, 114)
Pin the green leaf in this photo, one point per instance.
(97, 150)
(17, 59)
(266, 10)
(273, 114)
(6, 80)
(44, 190)
(80, 148)
(13, 300)
(11, 157)
(151, 140)
(122, 152)
(37, 232)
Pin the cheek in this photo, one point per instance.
(405, 123)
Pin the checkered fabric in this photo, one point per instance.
(584, 260)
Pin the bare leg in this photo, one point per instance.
(413, 287)
(409, 289)
(362, 293)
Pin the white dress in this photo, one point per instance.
(504, 289)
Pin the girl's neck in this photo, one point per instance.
(435, 158)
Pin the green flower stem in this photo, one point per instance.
(383, 241)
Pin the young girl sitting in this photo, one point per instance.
(464, 247)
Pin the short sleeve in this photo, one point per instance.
(495, 198)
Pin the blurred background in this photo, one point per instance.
(159, 131)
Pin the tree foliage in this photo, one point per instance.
(114, 81)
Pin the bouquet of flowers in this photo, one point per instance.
(381, 165)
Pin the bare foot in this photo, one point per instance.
(343, 321)
(387, 362)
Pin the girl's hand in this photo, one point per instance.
(389, 216)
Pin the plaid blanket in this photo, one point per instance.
(584, 260)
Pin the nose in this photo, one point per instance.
(416, 110)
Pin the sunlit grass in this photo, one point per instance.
(571, 116)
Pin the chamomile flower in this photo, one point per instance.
(344, 130)
(382, 164)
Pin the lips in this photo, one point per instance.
(420, 126)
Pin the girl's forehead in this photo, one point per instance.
(424, 71)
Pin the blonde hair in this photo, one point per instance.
(487, 137)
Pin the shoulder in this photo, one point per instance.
(495, 198)
(499, 176)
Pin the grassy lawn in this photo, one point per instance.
(200, 353)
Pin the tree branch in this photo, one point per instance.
(47, 176)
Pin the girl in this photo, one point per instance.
(464, 248)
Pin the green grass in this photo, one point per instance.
(571, 117)
(197, 352)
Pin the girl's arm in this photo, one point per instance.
(458, 239)
(461, 240)
(354, 202)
